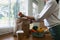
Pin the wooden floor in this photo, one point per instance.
(10, 37)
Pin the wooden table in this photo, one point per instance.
(46, 37)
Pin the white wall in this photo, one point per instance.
(59, 8)
(40, 6)
(30, 8)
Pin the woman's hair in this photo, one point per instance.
(57, 1)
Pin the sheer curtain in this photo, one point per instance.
(8, 12)
(4, 13)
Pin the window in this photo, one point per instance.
(35, 8)
(4, 12)
(9, 10)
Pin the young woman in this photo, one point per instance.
(50, 13)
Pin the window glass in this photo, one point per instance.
(4, 12)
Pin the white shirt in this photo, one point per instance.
(50, 13)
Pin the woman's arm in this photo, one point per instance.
(47, 10)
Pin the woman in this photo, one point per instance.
(50, 13)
